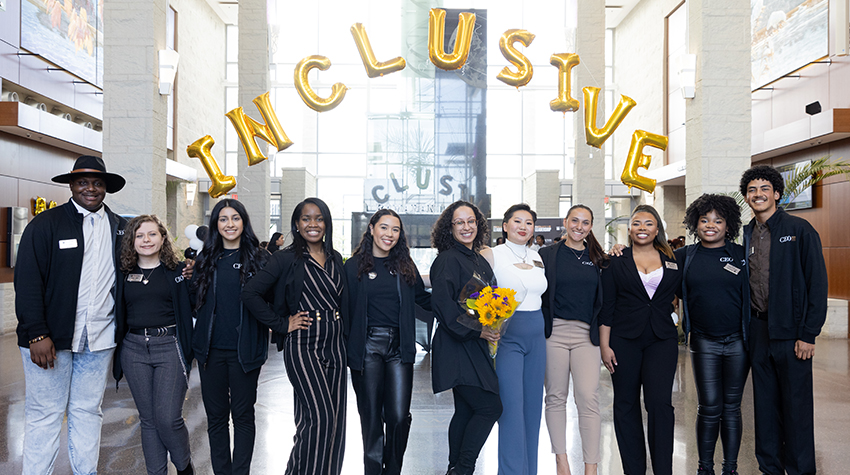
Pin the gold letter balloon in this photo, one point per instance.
(637, 159)
(40, 205)
(374, 68)
(202, 150)
(436, 31)
(596, 137)
(565, 62)
(523, 65)
(306, 92)
(248, 128)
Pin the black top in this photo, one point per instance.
(322, 285)
(627, 308)
(460, 355)
(798, 282)
(148, 305)
(714, 293)
(227, 305)
(47, 273)
(360, 299)
(182, 311)
(554, 274)
(576, 288)
(383, 307)
(253, 337)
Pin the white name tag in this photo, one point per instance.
(67, 244)
(732, 269)
(134, 278)
(671, 265)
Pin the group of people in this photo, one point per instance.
(93, 289)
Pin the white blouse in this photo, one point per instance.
(528, 283)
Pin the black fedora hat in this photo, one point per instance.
(89, 165)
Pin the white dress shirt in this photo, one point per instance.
(95, 321)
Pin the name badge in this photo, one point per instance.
(671, 265)
(538, 264)
(67, 244)
(134, 278)
(731, 268)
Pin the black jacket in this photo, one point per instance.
(283, 275)
(252, 346)
(627, 308)
(182, 314)
(409, 296)
(684, 257)
(460, 355)
(47, 277)
(798, 282)
(549, 254)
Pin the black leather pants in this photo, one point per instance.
(720, 371)
(383, 391)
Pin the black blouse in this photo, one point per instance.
(460, 355)
(147, 297)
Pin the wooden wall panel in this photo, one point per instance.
(830, 215)
(839, 277)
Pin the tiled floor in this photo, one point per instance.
(426, 454)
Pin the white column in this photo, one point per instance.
(134, 114)
(718, 118)
(589, 171)
(254, 182)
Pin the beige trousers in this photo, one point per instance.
(569, 352)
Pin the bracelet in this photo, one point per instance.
(38, 339)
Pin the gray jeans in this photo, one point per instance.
(155, 373)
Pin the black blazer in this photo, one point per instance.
(626, 306)
(284, 276)
(549, 254)
(182, 314)
(460, 356)
(409, 295)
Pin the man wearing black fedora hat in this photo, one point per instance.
(64, 278)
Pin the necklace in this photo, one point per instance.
(578, 256)
(146, 278)
(225, 256)
(523, 258)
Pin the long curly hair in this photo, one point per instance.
(129, 256)
(509, 213)
(763, 172)
(725, 206)
(594, 249)
(399, 259)
(299, 244)
(252, 256)
(441, 233)
(660, 242)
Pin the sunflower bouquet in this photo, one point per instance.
(488, 306)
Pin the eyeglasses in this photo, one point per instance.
(459, 223)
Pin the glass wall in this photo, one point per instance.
(417, 139)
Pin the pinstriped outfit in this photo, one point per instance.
(315, 363)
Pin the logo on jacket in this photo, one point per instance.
(120, 232)
(726, 259)
(179, 279)
(788, 239)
